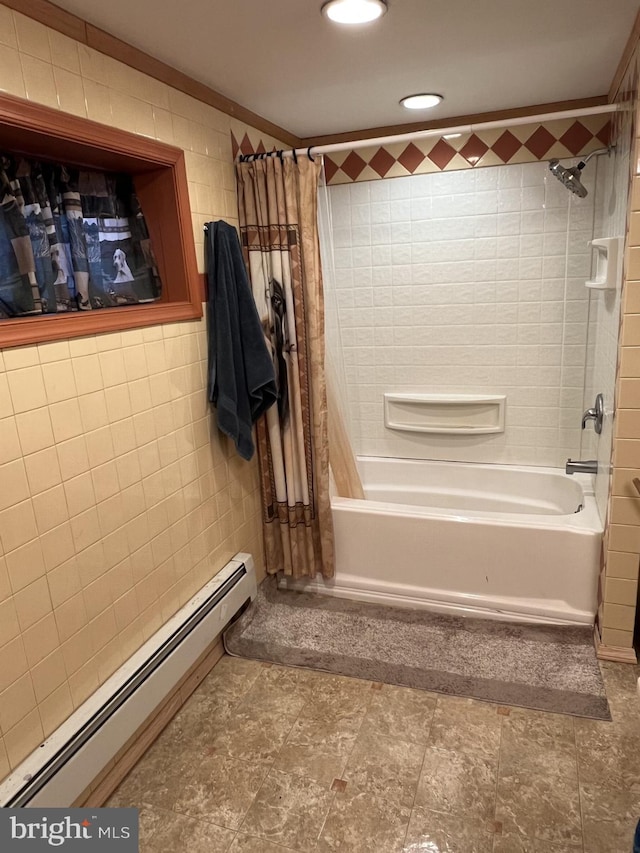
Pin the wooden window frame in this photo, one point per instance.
(160, 178)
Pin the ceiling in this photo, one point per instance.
(283, 60)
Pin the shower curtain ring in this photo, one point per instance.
(309, 153)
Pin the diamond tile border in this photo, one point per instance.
(249, 142)
(527, 143)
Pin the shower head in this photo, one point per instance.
(569, 176)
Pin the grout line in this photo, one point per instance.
(575, 744)
(355, 739)
(348, 755)
(495, 807)
(271, 768)
(259, 838)
(424, 756)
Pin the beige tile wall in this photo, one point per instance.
(118, 498)
(619, 580)
(620, 590)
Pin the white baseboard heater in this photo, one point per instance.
(65, 764)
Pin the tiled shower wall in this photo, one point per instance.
(612, 193)
(469, 281)
(118, 499)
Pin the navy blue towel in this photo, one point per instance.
(242, 383)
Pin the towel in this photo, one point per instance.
(242, 383)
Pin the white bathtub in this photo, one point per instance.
(510, 543)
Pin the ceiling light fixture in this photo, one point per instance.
(421, 102)
(354, 11)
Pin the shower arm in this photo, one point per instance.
(607, 150)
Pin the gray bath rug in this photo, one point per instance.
(546, 668)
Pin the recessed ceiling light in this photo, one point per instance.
(421, 102)
(354, 11)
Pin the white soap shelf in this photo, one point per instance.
(607, 258)
(447, 414)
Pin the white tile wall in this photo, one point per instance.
(466, 281)
(611, 199)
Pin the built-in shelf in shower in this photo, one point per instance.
(448, 414)
(607, 256)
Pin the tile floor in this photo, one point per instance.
(266, 759)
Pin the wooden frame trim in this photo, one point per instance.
(625, 59)
(53, 16)
(78, 324)
(497, 115)
(97, 141)
(161, 183)
(111, 46)
(71, 25)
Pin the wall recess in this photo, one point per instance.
(159, 175)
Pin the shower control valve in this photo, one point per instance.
(596, 414)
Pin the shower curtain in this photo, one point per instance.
(341, 428)
(279, 235)
(70, 240)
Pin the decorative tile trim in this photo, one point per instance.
(525, 143)
(252, 143)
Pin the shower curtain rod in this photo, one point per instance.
(439, 131)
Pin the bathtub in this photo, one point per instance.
(498, 541)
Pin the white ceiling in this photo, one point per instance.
(285, 61)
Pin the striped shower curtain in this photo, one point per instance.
(279, 236)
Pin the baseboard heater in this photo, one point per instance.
(65, 764)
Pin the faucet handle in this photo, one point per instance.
(596, 414)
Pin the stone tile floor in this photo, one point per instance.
(266, 759)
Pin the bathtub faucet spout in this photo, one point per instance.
(587, 466)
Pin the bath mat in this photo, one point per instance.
(547, 668)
